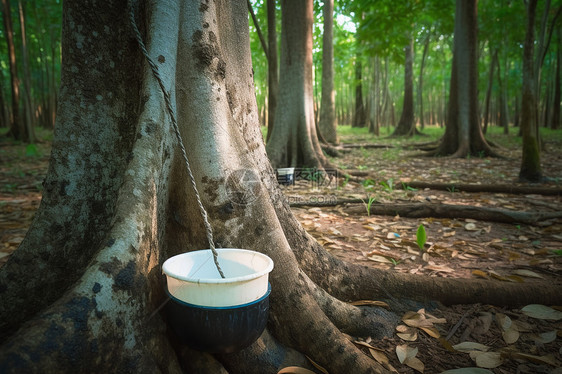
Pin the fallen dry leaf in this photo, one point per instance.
(527, 273)
(544, 338)
(488, 360)
(294, 370)
(471, 346)
(431, 331)
(404, 351)
(415, 364)
(370, 303)
(542, 312)
(480, 273)
(407, 333)
(467, 371)
(547, 359)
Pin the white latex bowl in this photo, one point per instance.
(193, 277)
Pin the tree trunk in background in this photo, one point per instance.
(272, 66)
(555, 122)
(4, 110)
(502, 100)
(359, 115)
(517, 115)
(406, 125)
(294, 141)
(327, 121)
(376, 93)
(544, 116)
(17, 129)
(463, 134)
(420, 81)
(29, 117)
(530, 163)
(493, 62)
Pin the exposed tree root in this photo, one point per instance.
(419, 210)
(494, 188)
(367, 146)
(331, 150)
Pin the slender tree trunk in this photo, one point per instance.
(517, 115)
(327, 123)
(359, 116)
(17, 130)
(29, 118)
(420, 81)
(258, 29)
(4, 111)
(375, 112)
(555, 123)
(406, 125)
(546, 105)
(502, 100)
(272, 66)
(489, 89)
(530, 163)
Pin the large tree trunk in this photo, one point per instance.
(294, 141)
(327, 123)
(83, 289)
(463, 134)
(530, 162)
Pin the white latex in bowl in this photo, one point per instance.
(193, 277)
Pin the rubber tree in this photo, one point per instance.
(294, 141)
(359, 113)
(463, 134)
(530, 161)
(532, 65)
(84, 287)
(406, 125)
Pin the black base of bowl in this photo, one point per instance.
(218, 329)
(286, 180)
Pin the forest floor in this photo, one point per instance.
(503, 340)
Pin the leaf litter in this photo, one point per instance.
(459, 248)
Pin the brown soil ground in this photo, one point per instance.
(455, 247)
